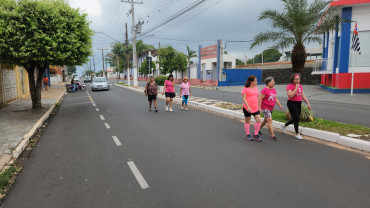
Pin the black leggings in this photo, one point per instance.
(295, 111)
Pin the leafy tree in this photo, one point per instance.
(89, 72)
(166, 59)
(269, 55)
(180, 63)
(239, 62)
(71, 70)
(38, 33)
(295, 25)
(144, 68)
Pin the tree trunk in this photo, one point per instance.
(35, 87)
(299, 56)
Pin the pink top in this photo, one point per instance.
(185, 88)
(252, 98)
(169, 86)
(298, 95)
(268, 102)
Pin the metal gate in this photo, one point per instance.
(9, 85)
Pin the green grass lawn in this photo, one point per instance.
(326, 125)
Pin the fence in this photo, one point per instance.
(235, 77)
(323, 66)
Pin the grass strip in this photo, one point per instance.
(5, 177)
(326, 125)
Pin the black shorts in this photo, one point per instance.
(170, 94)
(152, 97)
(247, 114)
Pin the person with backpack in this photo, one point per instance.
(151, 90)
(185, 92)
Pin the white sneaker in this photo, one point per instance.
(166, 108)
(171, 110)
(298, 136)
(283, 128)
(186, 109)
(182, 108)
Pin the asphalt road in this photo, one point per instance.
(180, 159)
(334, 111)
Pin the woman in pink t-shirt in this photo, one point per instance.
(266, 102)
(185, 92)
(250, 107)
(169, 90)
(295, 96)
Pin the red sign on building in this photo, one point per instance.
(208, 52)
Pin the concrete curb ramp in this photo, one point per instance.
(319, 134)
(26, 138)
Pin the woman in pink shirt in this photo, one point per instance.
(185, 92)
(295, 96)
(266, 102)
(169, 90)
(250, 107)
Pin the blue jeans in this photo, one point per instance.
(74, 87)
(185, 99)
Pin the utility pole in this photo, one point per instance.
(128, 60)
(159, 65)
(133, 31)
(117, 68)
(94, 62)
(102, 54)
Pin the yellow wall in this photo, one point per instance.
(22, 83)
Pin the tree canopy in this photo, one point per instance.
(38, 33)
(171, 60)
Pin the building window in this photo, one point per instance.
(362, 60)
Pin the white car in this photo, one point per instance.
(100, 83)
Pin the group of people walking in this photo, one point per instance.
(151, 90)
(254, 103)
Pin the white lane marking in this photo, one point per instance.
(94, 104)
(97, 109)
(137, 174)
(76, 98)
(107, 125)
(102, 118)
(76, 104)
(116, 140)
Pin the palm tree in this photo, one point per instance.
(191, 54)
(296, 25)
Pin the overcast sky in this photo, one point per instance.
(234, 20)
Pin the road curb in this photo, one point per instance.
(314, 133)
(26, 138)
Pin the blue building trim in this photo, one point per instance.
(238, 77)
(345, 40)
(199, 69)
(343, 91)
(327, 45)
(336, 48)
(324, 44)
(218, 59)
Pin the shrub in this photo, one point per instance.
(306, 115)
(160, 80)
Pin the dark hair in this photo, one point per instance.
(268, 80)
(170, 77)
(292, 77)
(250, 80)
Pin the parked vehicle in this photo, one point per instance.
(100, 83)
(79, 86)
(88, 79)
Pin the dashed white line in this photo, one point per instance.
(137, 174)
(116, 140)
(94, 104)
(102, 118)
(107, 125)
(97, 109)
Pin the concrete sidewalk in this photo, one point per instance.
(18, 118)
(314, 92)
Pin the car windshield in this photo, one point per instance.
(100, 80)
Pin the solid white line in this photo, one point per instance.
(116, 140)
(76, 104)
(102, 118)
(97, 109)
(76, 98)
(107, 125)
(138, 176)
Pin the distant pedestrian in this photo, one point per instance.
(46, 83)
(250, 107)
(185, 92)
(295, 96)
(267, 100)
(73, 84)
(151, 90)
(169, 91)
